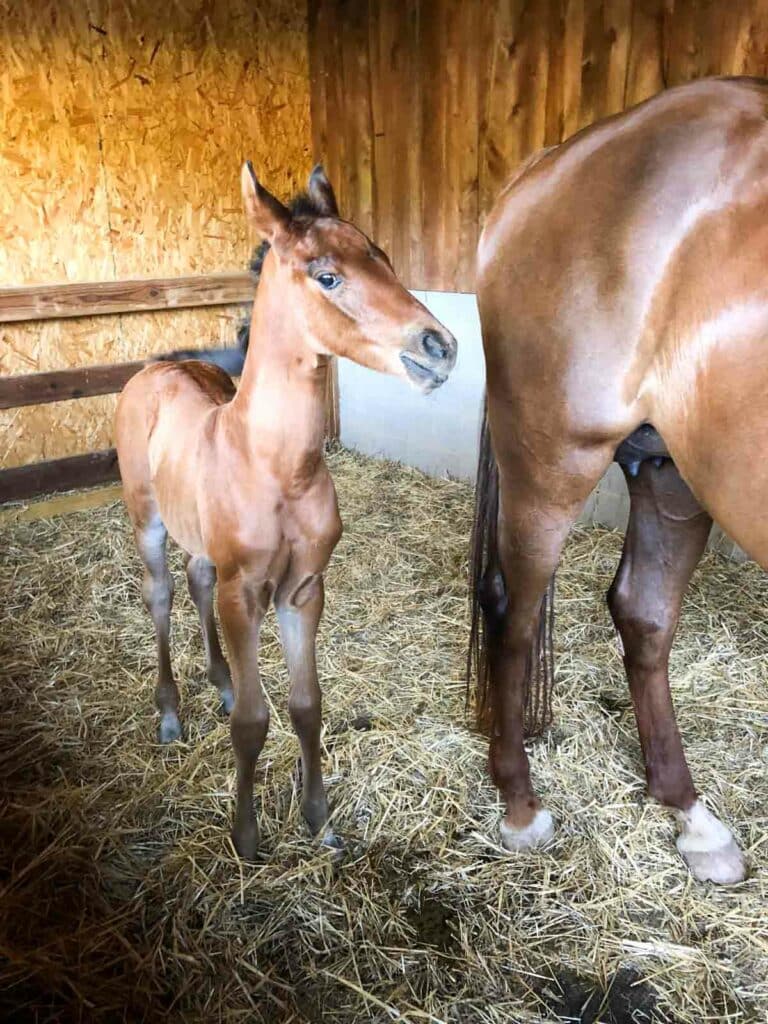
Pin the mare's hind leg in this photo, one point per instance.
(537, 508)
(157, 590)
(666, 536)
(201, 577)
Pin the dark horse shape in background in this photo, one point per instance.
(623, 291)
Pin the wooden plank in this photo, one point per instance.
(358, 121)
(517, 103)
(645, 61)
(693, 40)
(61, 505)
(54, 301)
(460, 224)
(574, 49)
(332, 417)
(554, 114)
(318, 77)
(22, 482)
(330, 30)
(61, 385)
(604, 63)
(395, 103)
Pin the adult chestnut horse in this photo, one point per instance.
(239, 481)
(623, 291)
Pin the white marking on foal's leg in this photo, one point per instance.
(170, 727)
(538, 833)
(708, 847)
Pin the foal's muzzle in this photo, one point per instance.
(430, 358)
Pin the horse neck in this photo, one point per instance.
(281, 399)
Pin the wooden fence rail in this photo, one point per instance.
(60, 385)
(54, 301)
(22, 482)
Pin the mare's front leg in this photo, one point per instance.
(665, 538)
(299, 603)
(242, 602)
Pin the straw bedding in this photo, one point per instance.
(121, 896)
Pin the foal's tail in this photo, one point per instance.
(488, 598)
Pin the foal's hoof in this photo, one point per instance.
(334, 845)
(708, 847)
(537, 833)
(246, 840)
(169, 728)
(227, 700)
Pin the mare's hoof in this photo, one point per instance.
(537, 833)
(169, 729)
(246, 840)
(708, 847)
(227, 700)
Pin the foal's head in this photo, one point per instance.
(342, 287)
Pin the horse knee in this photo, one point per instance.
(249, 730)
(646, 629)
(157, 592)
(305, 709)
(201, 578)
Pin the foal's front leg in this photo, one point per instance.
(242, 603)
(299, 606)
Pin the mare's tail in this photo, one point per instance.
(488, 597)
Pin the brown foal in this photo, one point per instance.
(623, 283)
(239, 480)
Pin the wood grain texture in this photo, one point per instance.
(57, 301)
(61, 385)
(48, 477)
(461, 91)
(61, 505)
(123, 124)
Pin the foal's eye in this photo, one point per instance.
(328, 281)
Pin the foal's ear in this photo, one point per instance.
(267, 214)
(321, 193)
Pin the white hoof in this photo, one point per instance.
(708, 847)
(538, 833)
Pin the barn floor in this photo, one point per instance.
(121, 897)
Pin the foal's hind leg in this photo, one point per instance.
(666, 536)
(201, 577)
(157, 591)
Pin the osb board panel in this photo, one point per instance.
(188, 91)
(123, 125)
(67, 428)
(53, 431)
(54, 223)
(422, 119)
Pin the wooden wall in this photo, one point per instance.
(123, 124)
(422, 108)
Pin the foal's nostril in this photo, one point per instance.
(434, 345)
